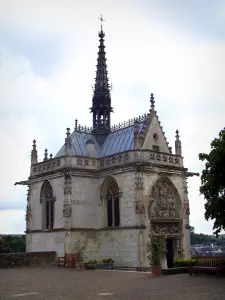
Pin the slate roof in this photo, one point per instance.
(117, 141)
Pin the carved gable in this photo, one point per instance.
(155, 137)
(164, 201)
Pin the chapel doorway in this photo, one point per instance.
(169, 252)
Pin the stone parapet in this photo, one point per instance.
(97, 164)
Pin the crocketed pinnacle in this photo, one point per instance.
(34, 156)
(101, 87)
(152, 101)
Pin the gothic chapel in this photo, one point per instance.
(110, 186)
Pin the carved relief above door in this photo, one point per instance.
(170, 229)
(164, 200)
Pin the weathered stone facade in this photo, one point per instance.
(110, 188)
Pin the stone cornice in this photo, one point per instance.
(88, 229)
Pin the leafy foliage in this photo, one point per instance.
(200, 238)
(180, 263)
(109, 261)
(12, 243)
(155, 250)
(213, 182)
(80, 249)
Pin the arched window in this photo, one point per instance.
(47, 201)
(112, 203)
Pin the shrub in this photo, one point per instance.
(155, 250)
(80, 249)
(108, 261)
(92, 261)
(183, 263)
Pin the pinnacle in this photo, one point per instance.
(152, 101)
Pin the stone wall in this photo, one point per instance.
(27, 259)
(46, 241)
(85, 202)
(120, 245)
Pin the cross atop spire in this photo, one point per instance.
(101, 20)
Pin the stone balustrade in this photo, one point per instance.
(90, 163)
(47, 166)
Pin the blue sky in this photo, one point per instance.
(48, 51)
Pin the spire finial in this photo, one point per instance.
(68, 143)
(178, 147)
(76, 123)
(34, 156)
(68, 132)
(101, 20)
(152, 101)
(46, 154)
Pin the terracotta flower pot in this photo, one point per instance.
(156, 270)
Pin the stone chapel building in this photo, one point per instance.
(110, 186)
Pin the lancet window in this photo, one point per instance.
(113, 204)
(48, 202)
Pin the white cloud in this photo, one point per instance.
(144, 55)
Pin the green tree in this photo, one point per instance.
(12, 243)
(213, 182)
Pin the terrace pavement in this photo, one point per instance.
(48, 283)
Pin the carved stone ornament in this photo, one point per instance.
(67, 183)
(166, 228)
(28, 208)
(163, 201)
(67, 210)
(186, 208)
(139, 181)
(140, 207)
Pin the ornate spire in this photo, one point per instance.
(34, 156)
(101, 101)
(178, 148)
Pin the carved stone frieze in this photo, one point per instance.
(166, 228)
(47, 166)
(164, 158)
(163, 201)
(67, 209)
(114, 160)
(68, 183)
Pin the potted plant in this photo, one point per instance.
(155, 250)
(79, 249)
(108, 263)
(91, 264)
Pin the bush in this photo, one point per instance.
(109, 261)
(92, 261)
(183, 263)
